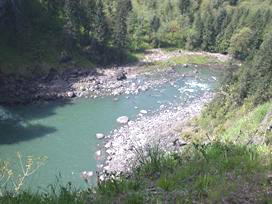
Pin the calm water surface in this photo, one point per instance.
(65, 131)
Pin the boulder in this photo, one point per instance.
(143, 111)
(122, 120)
(98, 153)
(71, 94)
(121, 75)
(99, 136)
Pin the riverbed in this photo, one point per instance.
(65, 130)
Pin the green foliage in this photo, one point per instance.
(208, 31)
(224, 166)
(243, 129)
(120, 31)
(153, 163)
(100, 23)
(62, 194)
(91, 29)
(249, 84)
(201, 173)
(37, 32)
(195, 35)
(241, 42)
(259, 73)
(184, 6)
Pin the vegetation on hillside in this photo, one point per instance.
(38, 34)
(211, 173)
(228, 159)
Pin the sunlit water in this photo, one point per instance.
(65, 132)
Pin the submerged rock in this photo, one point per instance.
(86, 175)
(143, 111)
(122, 120)
(99, 136)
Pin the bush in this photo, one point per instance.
(241, 43)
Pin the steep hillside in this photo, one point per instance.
(36, 35)
(227, 156)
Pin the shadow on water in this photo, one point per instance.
(16, 125)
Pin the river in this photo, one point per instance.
(65, 131)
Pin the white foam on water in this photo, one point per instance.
(195, 84)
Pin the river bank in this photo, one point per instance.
(162, 129)
(156, 99)
(92, 83)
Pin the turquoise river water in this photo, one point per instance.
(65, 132)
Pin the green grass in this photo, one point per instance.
(54, 194)
(244, 127)
(189, 59)
(241, 125)
(193, 59)
(201, 174)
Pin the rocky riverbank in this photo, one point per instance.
(92, 83)
(162, 129)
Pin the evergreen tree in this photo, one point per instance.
(169, 9)
(152, 4)
(184, 6)
(233, 2)
(261, 72)
(71, 9)
(100, 23)
(194, 38)
(155, 23)
(208, 31)
(241, 43)
(120, 31)
(198, 27)
(219, 21)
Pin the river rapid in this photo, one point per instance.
(65, 130)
